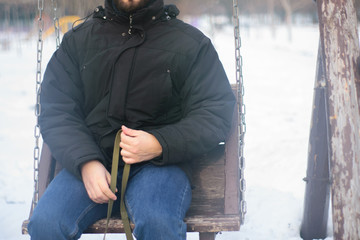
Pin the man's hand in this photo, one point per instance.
(97, 180)
(138, 146)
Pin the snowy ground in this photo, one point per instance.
(279, 78)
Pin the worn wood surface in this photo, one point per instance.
(195, 223)
(209, 181)
(340, 47)
(207, 236)
(232, 165)
(202, 224)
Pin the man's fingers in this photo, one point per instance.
(106, 192)
(129, 157)
(128, 131)
(108, 177)
(97, 195)
(129, 160)
(102, 194)
(129, 140)
(125, 146)
(97, 180)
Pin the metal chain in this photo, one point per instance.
(37, 105)
(56, 22)
(241, 109)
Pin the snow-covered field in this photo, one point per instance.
(279, 78)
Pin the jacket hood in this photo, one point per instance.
(153, 8)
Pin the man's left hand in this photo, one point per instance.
(138, 146)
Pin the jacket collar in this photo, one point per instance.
(141, 16)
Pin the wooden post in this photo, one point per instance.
(340, 48)
(207, 236)
(317, 192)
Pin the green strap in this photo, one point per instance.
(124, 215)
(125, 177)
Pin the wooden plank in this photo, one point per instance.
(207, 236)
(24, 229)
(115, 226)
(232, 187)
(208, 207)
(340, 48)
(45, 169)
(194, 224)
(213, 224)
(198, 223)
(208, 184)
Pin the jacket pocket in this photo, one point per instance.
(150, 98)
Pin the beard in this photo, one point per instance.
(130, 5)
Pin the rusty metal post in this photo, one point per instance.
(340, 48)
(317, 192)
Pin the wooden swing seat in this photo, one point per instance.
(216, 199)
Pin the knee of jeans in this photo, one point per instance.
(160, 226)
(41, 225)
(157, 220)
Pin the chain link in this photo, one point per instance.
(241, 109)
(37, 132)
(56, 22)
(37, 105)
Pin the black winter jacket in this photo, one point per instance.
(147, 71)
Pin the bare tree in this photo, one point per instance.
(288, 16)
(290, 6)
(271, 12)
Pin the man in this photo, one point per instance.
(134, 67)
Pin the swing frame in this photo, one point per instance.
(216, 199)
(218, 196)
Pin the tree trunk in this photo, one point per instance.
(340, 47)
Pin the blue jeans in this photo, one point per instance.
(157, 198)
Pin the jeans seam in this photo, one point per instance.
(129, 211)
(181, 205)
(76, 230)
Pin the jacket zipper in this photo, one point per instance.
(131, 22)
(128, 83)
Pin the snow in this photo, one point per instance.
(279, 77)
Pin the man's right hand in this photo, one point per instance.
(97, 180)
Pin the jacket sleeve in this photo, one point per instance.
(208, 105)
(62, 119)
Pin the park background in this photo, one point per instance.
(279, 49)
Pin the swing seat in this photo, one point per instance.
(216, 198)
